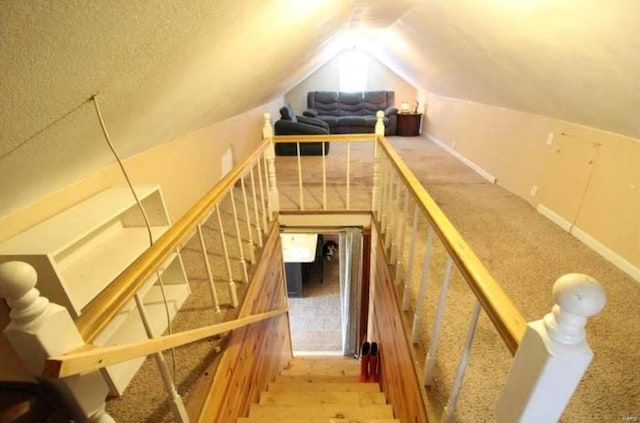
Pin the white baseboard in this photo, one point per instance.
(486, 175)
(620, 262)
(597, 246)
(554, 217)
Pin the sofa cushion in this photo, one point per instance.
(374, 101)
(350, 121)
(331, 120)
(325, 102)
(350, 104)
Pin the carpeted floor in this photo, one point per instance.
(523, 250)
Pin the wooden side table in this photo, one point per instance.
(408, 124)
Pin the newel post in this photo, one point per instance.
(377, 164)
(553, 354)
(39, 330)
(270, 156)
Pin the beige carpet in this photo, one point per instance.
(524, 251)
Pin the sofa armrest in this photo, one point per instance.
(287, 127)
(313, 121)
(391, 110)
(310, 113)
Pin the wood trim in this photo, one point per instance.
(102, 309)
(255, 354)
(506, 318)
(86, 361)
(398, 374)
(326, 138)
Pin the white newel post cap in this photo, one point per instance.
(267, 129)
(577, 297)
(17, 285)
(380, 122)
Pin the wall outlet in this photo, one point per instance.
(533, 191)
(550, 138)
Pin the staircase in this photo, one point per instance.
(321, 389)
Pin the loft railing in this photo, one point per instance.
(389, 193)
(237, 212)
(400, 205)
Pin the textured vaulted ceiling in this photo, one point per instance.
(162, 68)
(576, 60)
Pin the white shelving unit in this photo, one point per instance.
(80, 251)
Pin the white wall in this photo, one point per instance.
(379, 78)
(588, 177)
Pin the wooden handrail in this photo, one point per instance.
(506, 318)
(88, 360)
(328, 138)
(102, 309)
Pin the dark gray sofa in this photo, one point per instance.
(292, 124)
(348, 113)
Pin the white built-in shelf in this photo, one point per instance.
(81, 250)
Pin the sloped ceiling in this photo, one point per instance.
(573, 60)
(163, 68)
(159, 68)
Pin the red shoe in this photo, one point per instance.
(373, 363)
(364, 362)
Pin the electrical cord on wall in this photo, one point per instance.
(144, 216)
(592, 163)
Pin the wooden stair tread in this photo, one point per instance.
(333, 397)
(316, 379)
(323, 387)
(321, 390)
(342, 411)
(326, 366)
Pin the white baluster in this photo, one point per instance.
(430, 359)
(255, 208)
(300, 187)
(389, 201)
(324, 178)
(270, 156)
(395, 226)
(403, 233)
(462, 366)
(412, 255)
(267, 128)
(553, 354)
(377, 168)
(227, 261)
(263, 199)
(348, 175)
(243, 263)
(375, 191)
(252, 254)
(422, 292)
(207, 266)
(175, 400)
(380, 123)
(383, 198)
(267, 190)
(38, 330)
